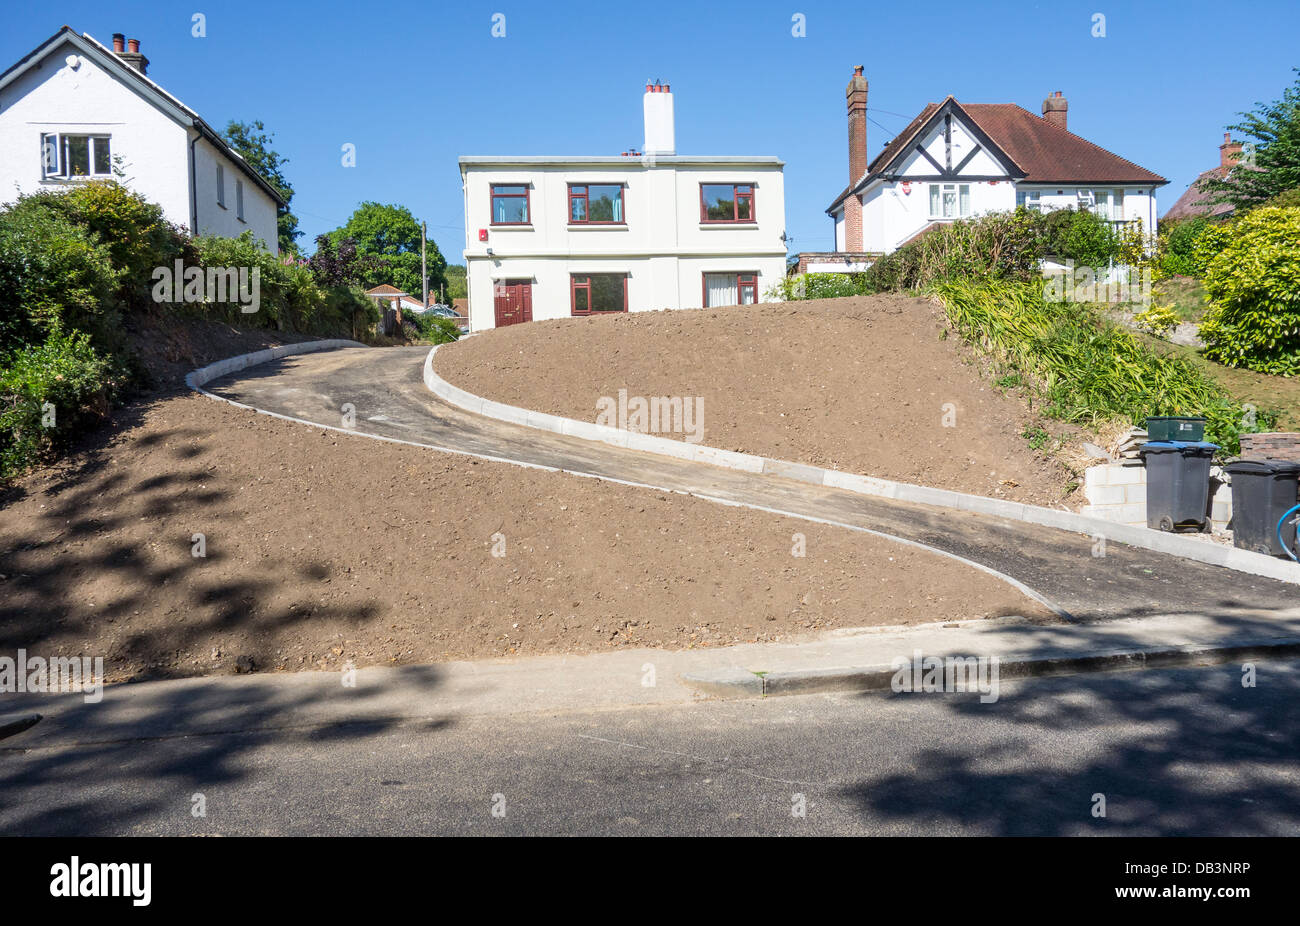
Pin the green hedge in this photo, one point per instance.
(46, 393)
(1252, 277)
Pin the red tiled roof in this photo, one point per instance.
(1195, 203)
(1048, 153)
(1042, 150)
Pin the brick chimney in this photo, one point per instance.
(855, 97)
(855, 94)
(132, 55)
(1229, 151)
(1055, 108)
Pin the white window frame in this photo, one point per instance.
(957, 189)
(221, 186)
(239, 200)
(54, 155)
(1030, 199)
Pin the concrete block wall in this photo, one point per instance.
(1118, 492)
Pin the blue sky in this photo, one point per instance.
(414, 85)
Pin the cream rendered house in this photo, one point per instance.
(551, 237)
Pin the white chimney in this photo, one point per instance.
(659, 135)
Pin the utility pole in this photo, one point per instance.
(424, 271)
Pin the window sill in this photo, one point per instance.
(745, 226)
(598, 226)
(507, 228)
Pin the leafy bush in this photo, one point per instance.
(1177, 247)
(432, 328)
(1289, 199)
(53, 274)
(1085, 368)
(67, 373)
(818, 286)
(1080, 236)
(1253, 283)
(134, 231)
(1159, 319)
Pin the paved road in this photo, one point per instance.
(387, 389)
(1180, 752)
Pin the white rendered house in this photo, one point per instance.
(957, 160)
(551, 237)
(74, 109)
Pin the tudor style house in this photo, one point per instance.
(549, 237)
(956, 160)
(74, 109)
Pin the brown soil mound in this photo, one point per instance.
(859, 384)
(323, 548)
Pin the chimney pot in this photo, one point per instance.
(119, 41)
(133, 46)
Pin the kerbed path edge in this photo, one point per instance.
(197, 378)
(1156, 541)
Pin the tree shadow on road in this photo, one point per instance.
(1190, 751)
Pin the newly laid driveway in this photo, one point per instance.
(387, 391)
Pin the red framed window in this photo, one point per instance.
(596, 204)
(593, 293)
(510, 204)
(730, 289)
(727, 202)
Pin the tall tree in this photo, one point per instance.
(1275, 165)
(392, 233)
(253, 143)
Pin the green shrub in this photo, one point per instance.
(1177, 247)
(433, 328)
(1288, 199)
(349, 312)
(1085, 368)
(1080, 236)
(1254, 287)
(67, 373)
(817, 286)
(135, 232)
(53, 275)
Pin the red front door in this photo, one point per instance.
(513, 301)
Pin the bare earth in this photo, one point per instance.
(858, 384)
(323, 548)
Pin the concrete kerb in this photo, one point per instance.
(197, 378)
(735, 683)
(1157, 541)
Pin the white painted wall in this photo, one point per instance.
(663, 246)
(259, 208)
(153, 147)
(88, 100)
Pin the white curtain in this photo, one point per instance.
(720, 288)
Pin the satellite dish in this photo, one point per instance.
(73, 61)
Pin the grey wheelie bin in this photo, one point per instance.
(1263, 491)
(1178, 483)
